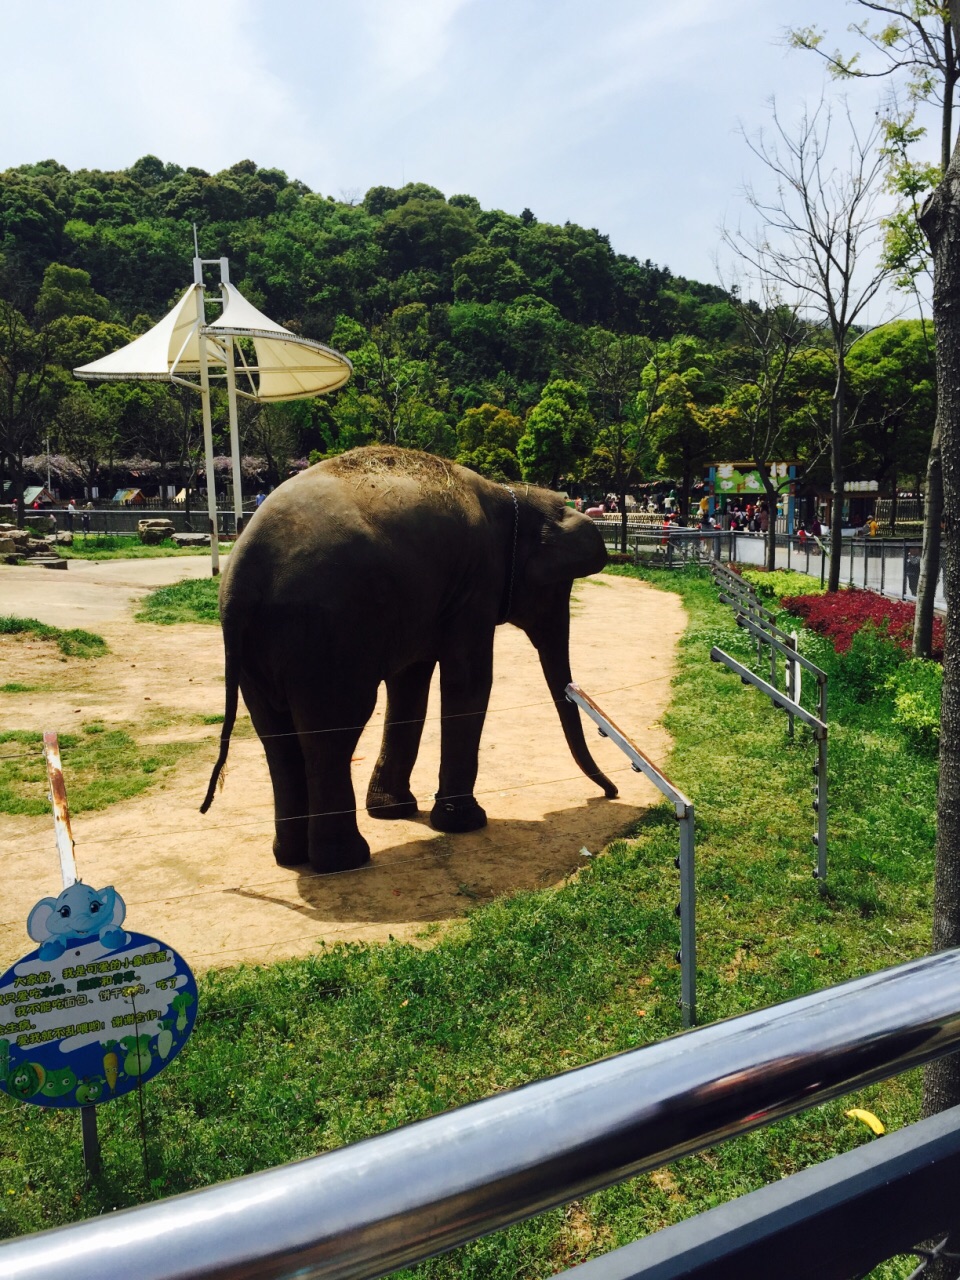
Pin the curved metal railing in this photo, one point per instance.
(367, 1209)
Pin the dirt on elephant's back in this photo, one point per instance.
(431, 474)
(209, 885)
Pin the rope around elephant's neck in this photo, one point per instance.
(505, 614)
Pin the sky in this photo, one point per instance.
(624, 115)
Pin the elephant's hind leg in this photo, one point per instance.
(329, 730)
(389, 794)
(289, 778)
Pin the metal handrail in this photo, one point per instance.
(686, 820)
(390, 1201)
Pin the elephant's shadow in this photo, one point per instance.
(437, 877)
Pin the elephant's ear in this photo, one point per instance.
(113, 905)
(571, 546)
(38, 920)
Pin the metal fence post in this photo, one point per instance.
(688, 918)
(820, 804)
(684, 810)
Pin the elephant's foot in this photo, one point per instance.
(342, 853)
(383, 805)
(461, 813)
(289, 852)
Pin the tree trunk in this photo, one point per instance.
(837, 423)
(16, 481)
(770, 493)
(894, 502)
(941, 224)
(930, 555)
(686, 480)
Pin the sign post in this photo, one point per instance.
(68, 874)
(94, 1012)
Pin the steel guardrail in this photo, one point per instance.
(390, 1201)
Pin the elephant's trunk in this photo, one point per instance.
(552, 646)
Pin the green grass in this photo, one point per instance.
(187, 601)
(100, 546)
(102, 766)
(74, 643)
(306, 1055)
(14, 686)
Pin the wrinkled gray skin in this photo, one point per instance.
(377, 566)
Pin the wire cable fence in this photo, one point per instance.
(204, 827)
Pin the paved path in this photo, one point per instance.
(90, 592)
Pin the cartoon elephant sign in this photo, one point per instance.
(79, 914)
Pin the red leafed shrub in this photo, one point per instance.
(841, 614)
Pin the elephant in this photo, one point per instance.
(379, 565)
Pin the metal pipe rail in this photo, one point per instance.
(788, 650)
(686, 819)
(390, 1201)
(833, 1220)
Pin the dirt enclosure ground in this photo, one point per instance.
(209, 885)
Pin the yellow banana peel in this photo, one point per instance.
(868, 1118)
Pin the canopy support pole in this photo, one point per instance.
(234, 436)
(207, 423)
(232, 409)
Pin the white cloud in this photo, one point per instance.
(188, 83)
(408, 41)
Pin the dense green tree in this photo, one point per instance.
(76, 340)
(426, 234)
(488, 274)
(28, 392)
(487, 439)
(611, 366)
(678, 411)
(893, 381)
(87, 429)
(395, 395)
(558, 434)
(770, 391)
(66, 291)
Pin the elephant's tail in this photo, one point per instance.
(232, 681)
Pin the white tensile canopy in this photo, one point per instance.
(285, 366)
(258, 359)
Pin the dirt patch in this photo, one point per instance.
(209, 885)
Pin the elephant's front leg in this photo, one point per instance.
(389, 794)
(464, 693)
